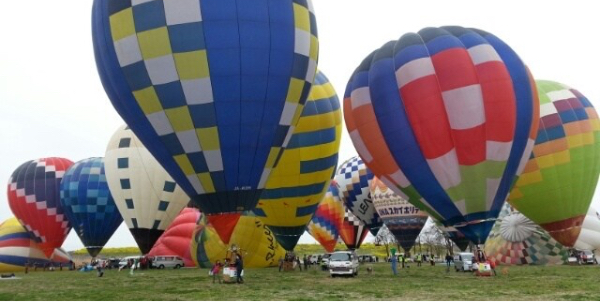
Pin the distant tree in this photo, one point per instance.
(385, 238)
(434, 240)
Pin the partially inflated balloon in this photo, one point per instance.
(34, 198)
(213, 88)
(88, 204)
(515, 239)
(17, 247)
(404, 220)
(146, 196)
(303, 173)
(589, 237)
(177, 238)
(256, 242)
(559, 180)
(325, 224)
(461, 241)
(446, 115)
(354, 179)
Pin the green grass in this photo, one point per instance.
(424, 283)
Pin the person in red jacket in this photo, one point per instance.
(216, 270)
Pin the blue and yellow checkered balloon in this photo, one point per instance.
(213, 88)
(302, 175)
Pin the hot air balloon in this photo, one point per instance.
(354, 179)
(515, 239)
(303, 172)
(446, 116)
(351, 230)
(557, 185)
(589, 237)
(146, 196)
(325, 224)
(456, 236)
(88, 204)
(404, 220)
(17, 247)
(250, 237)
(177, 238)
(61, 257)
(34, 198)
(213, 88)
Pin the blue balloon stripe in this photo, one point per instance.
(20, 261)
(305, 139)
(307, 210)
(298, 191)
(319, 164)
(20, 235)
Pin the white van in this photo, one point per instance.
(167, 262)
(123, 261)
(343, 263)
(463, 262)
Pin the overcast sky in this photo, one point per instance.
(53, 103)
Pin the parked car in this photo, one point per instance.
(587, 257)
(123, 262)
(313, 259)
(343, 263)
(366, 258)
(167, 262)
(113, 263)
(325, 261)
(463, 262)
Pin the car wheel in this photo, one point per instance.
(161, 266)
(332, 276)
(456, 268)
(356, 272)
(177, 266)
(462, 269)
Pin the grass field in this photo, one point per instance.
(415, 283)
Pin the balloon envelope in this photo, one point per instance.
(177, 238)
(303, 173)
(404, 220)
(515, 239)
(213, 88)
(34, 198)
(146, 196)
(88, 204)
(446, 115)
(353, 179)
(257, 243)
(325, 224)
(18, 247)
(560, 178)
(589, 237)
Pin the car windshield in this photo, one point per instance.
(467, 257)
(340, 257)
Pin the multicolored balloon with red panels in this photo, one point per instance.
(447, 116)
(34, 198)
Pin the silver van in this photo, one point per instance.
(343, 263)
(463, 262)
(167, 262)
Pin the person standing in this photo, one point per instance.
(394, 262)
(216, 270)
(448, 261)
(239, 267)
(280, 263)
